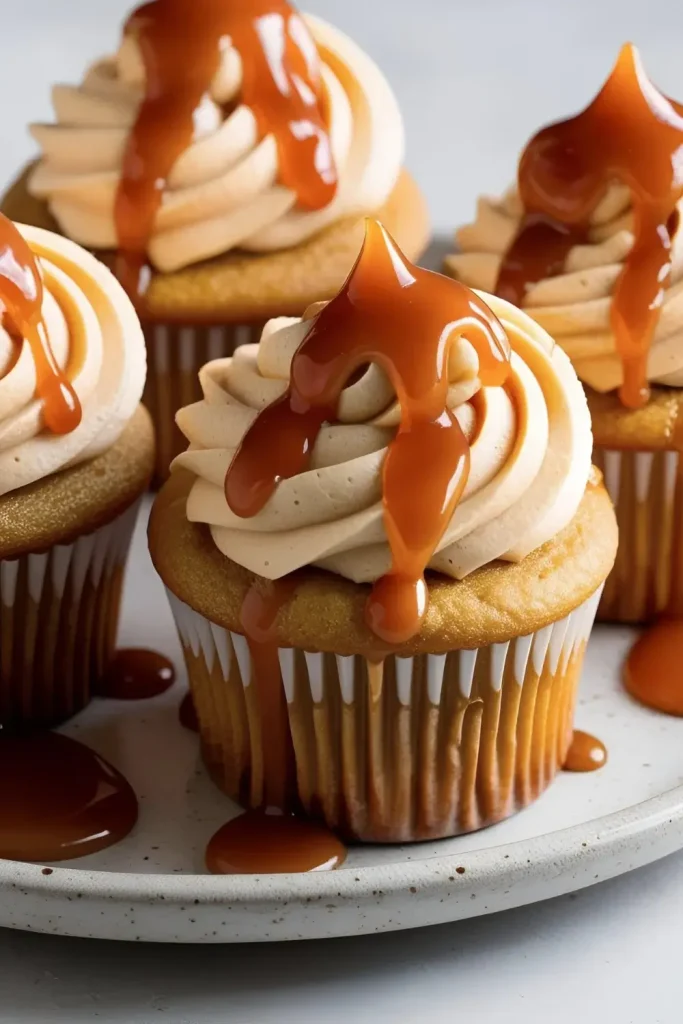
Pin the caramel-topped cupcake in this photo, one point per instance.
(384, 549)
(224, 157)
(76, 454)
(589, 244)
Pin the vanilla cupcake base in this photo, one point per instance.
(637, 451)
(458, 728)
(402, 750)
(647, 492)
(63, 547)
(59, 612)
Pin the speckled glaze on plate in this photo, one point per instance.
(587, 828)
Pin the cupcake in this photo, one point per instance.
(76, 454)
(384, 549)
(588, 243)
(222, 161)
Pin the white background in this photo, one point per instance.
(474, 79)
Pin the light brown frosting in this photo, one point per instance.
(530, 458)
(96, 338)
(574, 307)
(223, 192)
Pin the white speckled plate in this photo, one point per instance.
(151, 886)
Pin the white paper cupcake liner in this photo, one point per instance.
(410, 749)
(175, 355)
(58, 620)
(647, 491)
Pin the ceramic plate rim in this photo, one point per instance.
(598, 836)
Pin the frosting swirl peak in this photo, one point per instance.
(528, 451)
(229, 187)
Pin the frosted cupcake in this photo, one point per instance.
(76, 454)
(224, 157)
(406, 427)
(589, 245)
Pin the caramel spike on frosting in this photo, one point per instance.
(404, 319)
(630, 133)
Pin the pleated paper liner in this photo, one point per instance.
(59, 613)
(175, 355)
(406, 750)
(647, 491)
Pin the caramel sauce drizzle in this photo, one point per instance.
(181, 43)
(21, 303)
(269, 839)
(586, 753)
(404, 319)
(258, 619)
(630, 133)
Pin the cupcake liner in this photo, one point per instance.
(407, 749)
(647, 491)
(59, 614)
(175, 355)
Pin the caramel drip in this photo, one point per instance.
(258, 619)
(21, 304)
(181, 43)
(187, 714)
(630, 133)
(270, 841)
(137, 674)
(585, 754)
(404, 319)
(257, 843)
(60, 800)
(652, 674)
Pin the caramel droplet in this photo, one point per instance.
(257, 843)
(60, 800)
(586, 753)
(187, 713)
(137, 674)
(653, 674)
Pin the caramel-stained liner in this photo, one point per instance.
(59, 612)
(647, 491)
(175, 355)
(405, 750)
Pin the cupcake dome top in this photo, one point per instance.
(219, 126)
(422, 427)
(72, 356)
(589, 240)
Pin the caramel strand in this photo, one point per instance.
(404, 319)
(630, 133)
(21, 303)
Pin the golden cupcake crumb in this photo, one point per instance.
(326, 612)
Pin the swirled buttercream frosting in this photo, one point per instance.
(427, 375)
(72, 356)
(217, 126)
